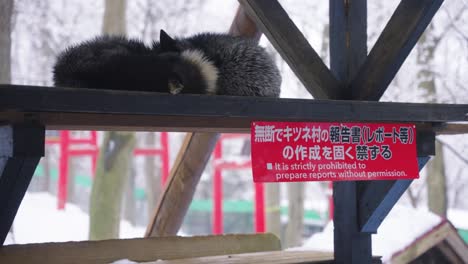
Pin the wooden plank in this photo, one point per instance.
(392, 47)
(293, 47)
(66, 107)
(21, 147)
(276, 257)
(191, 159)
(348, 49)
(184, 177)
(379, 197)
(450, 129)
(148, 249)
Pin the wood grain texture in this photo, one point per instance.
(148, 249)
(288, 40)
(276, 257)
(181, 185)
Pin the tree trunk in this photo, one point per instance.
(273, 212)
(115, 154)
(436, 183)
(108, 186)
(436, 179)
(295, 214)
(6, 12)
(114, 17)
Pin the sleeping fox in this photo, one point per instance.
(207, 63)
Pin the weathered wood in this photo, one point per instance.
(379, 197)
(21, 147)
(293, 47)
(392, 47)
(276, 257)
(348, 49)
(180, 187)
(148, 249)
(191, 160)
(440, 234)
(85, 108)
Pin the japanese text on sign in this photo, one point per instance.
(286, 151)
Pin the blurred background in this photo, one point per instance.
(60, 194)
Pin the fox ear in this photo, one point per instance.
(168, 44)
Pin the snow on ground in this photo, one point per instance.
(38, 220)
(459, 218)
(400, 228)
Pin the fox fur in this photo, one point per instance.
(207, 63)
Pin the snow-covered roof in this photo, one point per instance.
(400, 228)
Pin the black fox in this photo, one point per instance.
(206, 63)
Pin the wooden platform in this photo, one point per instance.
(89, 109)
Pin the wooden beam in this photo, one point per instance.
(379, 197)
(347, 32)
(293, 47)
(21, 147)
(276, 257)
(66, 108)
(348, 49)
(181, 185)
(148, 249)
(450, 129)
(392, 47)
(192, 158)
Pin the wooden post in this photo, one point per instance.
(348, 50)
(21, 148)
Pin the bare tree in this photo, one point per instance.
(115, 155)
(295, 224)
(6, 12)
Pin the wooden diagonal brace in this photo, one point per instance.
(393, 46)
(378, 198)
(21, 147)
(288, 40)
(191, 160)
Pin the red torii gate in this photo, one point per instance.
(67, 150)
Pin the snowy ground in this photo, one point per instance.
(400, 228)
(38, 220)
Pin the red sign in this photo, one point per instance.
(298, 151)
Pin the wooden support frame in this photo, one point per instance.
(348, 49)
(65, 108)
(392, 47)
(293, 47)
(21, 147)
(357, 213)
(377, 199)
